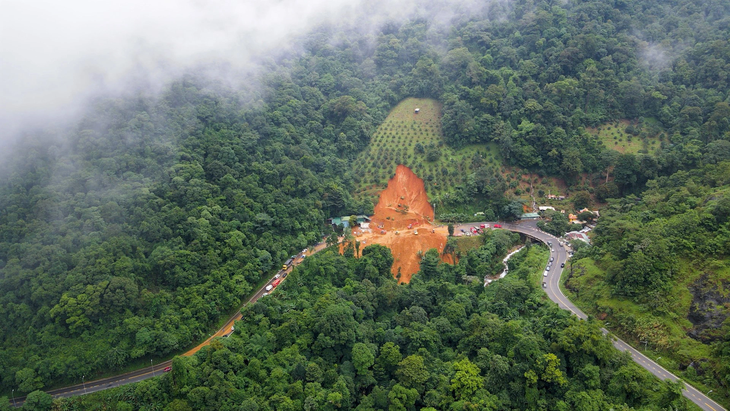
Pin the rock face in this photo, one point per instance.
(710, 307)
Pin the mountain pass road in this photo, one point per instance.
(552, 288)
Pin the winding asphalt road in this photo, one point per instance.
(552, 289)
(155, 370)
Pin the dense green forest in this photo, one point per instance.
(342, 334)
(659, 271)
(129, 236)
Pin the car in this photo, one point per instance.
(277, 275)
(269, 287)
(167, 369)
(285, 274)
(562, 265)
(498, 226)
(544, 285)
(303, 255)
(547, 268)
(264, 294)
(544, 274)
(551, 259)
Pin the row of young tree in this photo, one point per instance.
(340, 333)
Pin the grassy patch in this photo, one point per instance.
(464, 244)
(537, 259)
(644, 137)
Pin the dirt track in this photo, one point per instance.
(402, 204)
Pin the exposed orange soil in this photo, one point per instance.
(402, 204)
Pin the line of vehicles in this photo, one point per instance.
(282, 273)
(478, 230)
(550, 262)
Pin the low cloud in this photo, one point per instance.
(55, 55)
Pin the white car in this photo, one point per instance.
(544, 274)
(277, 275)
(264, 294)
(269, 287)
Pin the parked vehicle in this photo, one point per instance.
(498, 226)
(269, 287)
(167, 369)
(562, 265)
(544, 285)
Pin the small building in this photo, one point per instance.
(576, 235)
(418, 110)
(530, 216)
(365, 226)
(345, 220)
(574, 219)
(554, 197)
(545, 208)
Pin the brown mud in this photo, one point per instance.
(403, 222)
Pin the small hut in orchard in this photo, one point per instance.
(417, 110)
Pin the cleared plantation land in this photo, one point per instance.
(416, 141)
(642, 137)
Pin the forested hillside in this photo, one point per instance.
(135, 233)
(127, 237)
(341, 334)
(659, 271)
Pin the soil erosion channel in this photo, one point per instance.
(403, 222)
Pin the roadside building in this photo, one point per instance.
(577, 235)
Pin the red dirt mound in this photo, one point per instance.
(405, 215)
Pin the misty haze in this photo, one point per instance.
(365, 205)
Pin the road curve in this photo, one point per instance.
(552, 289)
(529, 228)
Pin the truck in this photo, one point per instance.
(482, 226)
(276, 282)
